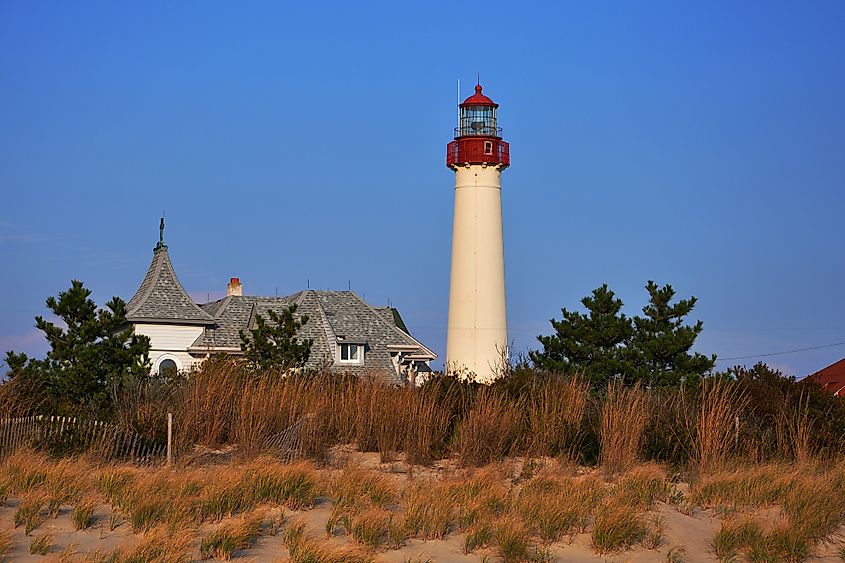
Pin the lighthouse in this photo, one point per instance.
(477, 337)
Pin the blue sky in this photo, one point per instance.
(697, 144)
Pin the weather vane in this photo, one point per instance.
(161, 234)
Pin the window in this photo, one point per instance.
(488, 147)
(167, 368)
(351, 353)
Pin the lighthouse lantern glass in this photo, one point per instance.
(478, 120)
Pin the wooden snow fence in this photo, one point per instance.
(287, 444)
(71, 434)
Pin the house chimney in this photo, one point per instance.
(235, 287)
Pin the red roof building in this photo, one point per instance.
(831, 378)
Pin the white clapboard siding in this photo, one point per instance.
(170, 342)
(169, 338)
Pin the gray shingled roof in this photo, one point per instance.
(333, 316)
(392, 316)
(162, 298)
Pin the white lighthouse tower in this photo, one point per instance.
(477, 337)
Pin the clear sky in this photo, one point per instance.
(295, 143)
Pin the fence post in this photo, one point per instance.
(169, 438)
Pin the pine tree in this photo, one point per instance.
(89, 360)
(661, 343)
(591, 344)
(275, 345)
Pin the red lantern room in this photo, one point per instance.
(478, 140)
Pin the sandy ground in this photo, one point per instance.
(689, 534)
(692, 533)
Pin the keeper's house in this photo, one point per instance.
(348, 334)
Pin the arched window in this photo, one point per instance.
(167, 368)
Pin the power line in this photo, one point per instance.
(773, 328)
(749, 357)
(781, 353)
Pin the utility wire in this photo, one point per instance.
(781, 353)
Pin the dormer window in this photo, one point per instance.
(350, 353)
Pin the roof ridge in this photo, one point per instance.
(331, 337)
(219, 310)
(253, 307)
(155, 269)
(393, 327)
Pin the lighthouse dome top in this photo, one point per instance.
(479, 99)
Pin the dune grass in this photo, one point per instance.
(24, 471)
(479, 535)
(159, 497)
(377, 527)
(6, 543)
(624, 417)
(307, 550)
(429, 511)
(553, 506)
(617, 526)
(744, 486)
(654, 533)
(83, 514)
(41, 544)
(712, 422)
(355, 487)
(512, 538)
(489, 429)
(808, 496)
(642, 486)
(63, 484)
(359, 500)
(737, 534)
(159, 545)
(515, 510)
(702, 423)
(556, 417)
(223, 542)
(29, 513)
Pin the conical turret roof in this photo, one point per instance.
(162, 298)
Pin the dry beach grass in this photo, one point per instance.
(534, 468)
(357, 508)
